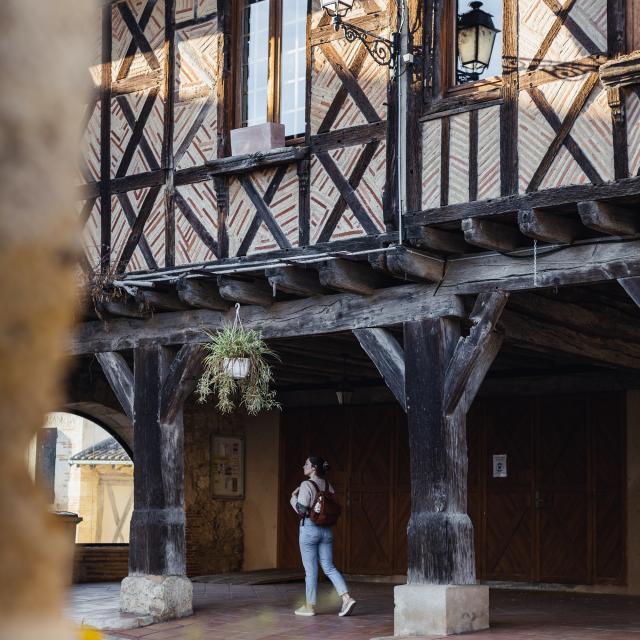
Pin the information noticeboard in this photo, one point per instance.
(227, 467)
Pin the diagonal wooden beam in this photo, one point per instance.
(180, 381)
(350, 82)
(123, 72)
(347, 192)
(342, 94)
(269, 194)
(632, 287)
(475, 353)
(130, 117)
(195, 223)
(562, 13)
(264, 212)
(130, 215)
(120, 379)
(137, 229)
(572, 146)
(366, 155)
(563, 132)
(574, 28)
(86, 212)
(138, 36)
(137, 133)
(193, 130)
(388, 357)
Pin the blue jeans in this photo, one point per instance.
(316, 543)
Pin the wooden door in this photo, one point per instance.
(369, 504)
(508, 518)
(561, 493)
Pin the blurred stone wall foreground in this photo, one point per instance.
(43, 66)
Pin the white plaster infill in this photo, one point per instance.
(160, 597)
(439, 610)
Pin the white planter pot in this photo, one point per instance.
(237, 368)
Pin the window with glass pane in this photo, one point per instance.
(293, 67)
(478, 40)
(255, 61)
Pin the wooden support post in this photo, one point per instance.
(608, 218)
(440, 533)
(443, 372)
(548, 227)
(490, 235)
(157, 544)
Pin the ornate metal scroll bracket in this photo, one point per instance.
(381, 50)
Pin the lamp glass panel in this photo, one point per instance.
(337, 7)
(466, 57)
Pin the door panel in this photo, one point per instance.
(508, 526)
(561, 497)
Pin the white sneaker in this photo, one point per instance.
(305, 610)
(347, 607)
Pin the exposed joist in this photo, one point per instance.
(124, 306)
(609, 218)
(120, 379)
(348, 276)
(434, 239)
(202, 294)
(388, 357)
(245, 291)
(295, 280)
(413, 265)
(490, 235)
(475, 353)
(548, 227)
(294, 318)
(160, 300)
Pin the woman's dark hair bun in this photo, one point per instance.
(321, 465)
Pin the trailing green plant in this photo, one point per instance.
(253, 392)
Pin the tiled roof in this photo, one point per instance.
(106, 451)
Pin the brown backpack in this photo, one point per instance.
(325, 509)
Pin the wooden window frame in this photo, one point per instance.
(441, 91)
(274, 66)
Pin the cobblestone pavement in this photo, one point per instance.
(242, 612)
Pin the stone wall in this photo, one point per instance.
(214, 527)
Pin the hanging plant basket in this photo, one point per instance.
(236, 370)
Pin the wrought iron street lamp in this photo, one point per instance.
(476, 37)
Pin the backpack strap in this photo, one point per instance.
(317, 488)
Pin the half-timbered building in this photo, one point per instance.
(454, 252)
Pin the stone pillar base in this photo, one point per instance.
(440, 609)
(163, 597)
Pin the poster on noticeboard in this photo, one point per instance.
(227, 459)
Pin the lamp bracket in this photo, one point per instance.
(380, 49)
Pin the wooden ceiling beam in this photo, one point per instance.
(491, 235)
(156, 299)
(123, 306)
(201, 294)
(295, 280)
(249, 292)
(349, 276)
(548, 227)
(412, 265)
(433, 239)
(609, 218)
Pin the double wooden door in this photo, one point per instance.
(367, 450)
(557, 516)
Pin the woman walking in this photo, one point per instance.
(316, 542)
